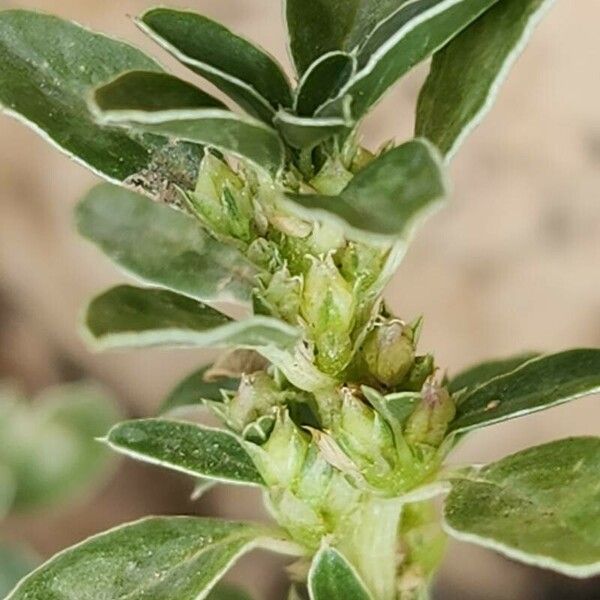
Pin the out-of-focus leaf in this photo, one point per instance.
(47, 70)
(186, 447)
(537, 385)
(14, 565)
(171, 558)
(540, 506)
(48, 446)
(130, 317)
(467, 73)
(481, 373)
(246, 73)
(331, 577)
(163, 246)
(386, 198)
(228, 592)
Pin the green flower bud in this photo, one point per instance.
(221, 200)
(328, 307)
(430, 419)
(282, 295)
(332, 178)
(389, 352)
(361, 264)
(265, 254)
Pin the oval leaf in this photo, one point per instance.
(479, 374)
(331, 577)
(466, 74)
(185, 447)
(538, 384)
(540, 506)
(130, 317)
(408, 37)
(387, 197)
(246, 73)
(171, 558)
(163, 246)
(48, 67)
(149, 91)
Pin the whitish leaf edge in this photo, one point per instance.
(172, 466)
(316, 561)
(501, 77)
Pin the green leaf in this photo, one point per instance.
(171, 558)
(331, 577)
(48, 445)
(387, 197)
(306, 132)
(240, 135)
(481, 373)
(163, 246)
(14, 565)
(466, 74)
(246, 73)
(538, 384)
(7, 490)
(130, 317)
(540, 506)
(194, 390)
(408, 37)
(149, 91)
(228, 592)
(190, 448)
(48, 67)
(323, 80)
(316, 27)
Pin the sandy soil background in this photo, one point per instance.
(511, 264)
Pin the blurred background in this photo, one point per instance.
(511, 264)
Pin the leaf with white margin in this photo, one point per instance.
(131, 317)
(540, 506)
(407, 37)
(481, 373)
(467, 73)
(386, 198)
(538, 384)
(162, 246)
(189, 448)
(316, 27)
(245, 72)
(243, 136)
(332, 577)
(171, 558)
(48, 67)
(322, 80)
(307, 132)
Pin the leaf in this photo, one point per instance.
(130, 317)
(306, 132)
(323, 79)
(14, 565)
(387, 197)
(408, 37)
(149, 91)
(171, 558)
(477, 375)
(194, 389)
(246, 73)
(48, 445)
(163, 246)
(539, 384)
(7, 490)
(190, 448)
(48, 66)
(316, 27)
(331, 577)
(242, 136)
(466, 74)
(540, 506)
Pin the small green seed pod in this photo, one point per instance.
(389, 352)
